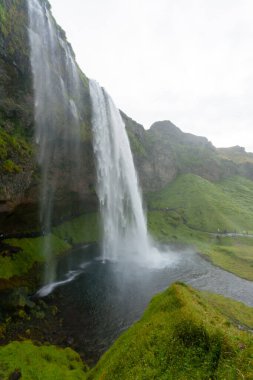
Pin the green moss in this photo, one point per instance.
(40, 362)
(181, 336)
(237, 312)
(13, 145)
(31, 252)
(83, 229)
(136, 146)
(10, 167)
(3, 17)
(13, 26)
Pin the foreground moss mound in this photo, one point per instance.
(182, 335)
(40, 362)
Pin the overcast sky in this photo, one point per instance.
(188, 61)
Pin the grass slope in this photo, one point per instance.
(180, 336)
(31, 252)
(40, 362)
(206, 206)
(190, 208)
(83, 229)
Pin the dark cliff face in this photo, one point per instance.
(20, 175)
(16, 106)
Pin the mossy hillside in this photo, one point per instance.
(206, 206)
(83, 229)
(31, 252)
(238, 313)
(15, 151)
(181, 336)
(191, 208)
(40, 362)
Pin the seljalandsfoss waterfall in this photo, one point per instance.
(124, 226)
(123, 220)
(57, 93)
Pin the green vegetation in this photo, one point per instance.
(40, 362)
(136, 146)
(206, 206)
(83, 229)
(236, 154)
(237, 312)
(31, 252)
(192, 209)
(10, 167)
(14, 150)
(233, 254)
(14, 32)
(180, 336)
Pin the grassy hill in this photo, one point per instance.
(195, 211)
(207, 206)
(182, 335)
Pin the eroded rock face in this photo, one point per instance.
(164, 151)
(20, 175)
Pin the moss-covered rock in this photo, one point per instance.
(40, 362)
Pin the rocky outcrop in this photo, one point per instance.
(164, 151)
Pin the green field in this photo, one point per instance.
(194, 211)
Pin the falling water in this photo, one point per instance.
(57, 101)
(123, 220)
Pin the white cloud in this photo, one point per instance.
(190, 61)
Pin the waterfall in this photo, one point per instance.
(57, 96)
(123, 221)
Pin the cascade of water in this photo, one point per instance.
(123, 220)
(57, 101)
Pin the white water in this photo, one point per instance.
(57, 101)
(124, 224)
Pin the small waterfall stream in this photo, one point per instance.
(57, 95)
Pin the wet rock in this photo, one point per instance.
(15, 375)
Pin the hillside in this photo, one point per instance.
(195, 211)
(182, 335)
(224, 206)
